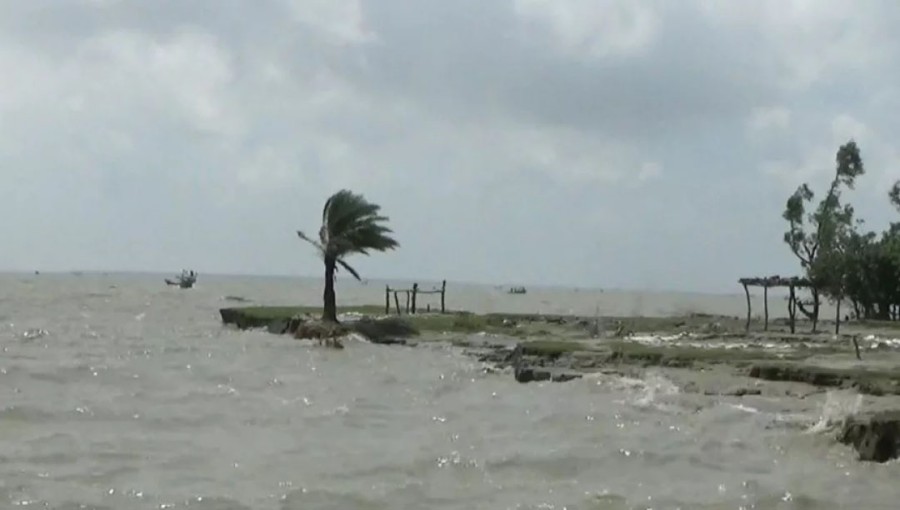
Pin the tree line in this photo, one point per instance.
(843, 262)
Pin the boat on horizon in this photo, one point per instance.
(186, 280)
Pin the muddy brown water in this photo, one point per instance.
(121, 393)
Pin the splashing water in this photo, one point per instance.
(655, 384)
(34, 334)
(838, 406)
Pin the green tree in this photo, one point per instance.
(819, 238)
(350, 224)
(894, 194)
(859, 262)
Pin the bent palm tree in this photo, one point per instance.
(350, 224)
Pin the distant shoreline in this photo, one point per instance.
(380, 281)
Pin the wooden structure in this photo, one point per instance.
(793, 283)
(411, 295)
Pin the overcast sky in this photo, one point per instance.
(599, 143)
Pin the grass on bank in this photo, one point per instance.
(274, 313)
(451, 322)
(552, 348)
(525, 326)
(457, 322)
(866, 380)
(677, 356)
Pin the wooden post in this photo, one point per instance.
(387, 299)
(443, 295)
(816, 302)
(856, 347)
(837, 318)
(415, 291)
(766, 306)
(747, 292)
(792, 308)
(397, 302)
(407, 301)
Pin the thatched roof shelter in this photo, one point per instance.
(776, 281)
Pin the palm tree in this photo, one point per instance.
(350, 224)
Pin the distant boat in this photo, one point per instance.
(517, 290)
(186, 280)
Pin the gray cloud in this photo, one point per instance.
(470, 65)
(611, 143)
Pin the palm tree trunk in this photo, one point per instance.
(329, 312)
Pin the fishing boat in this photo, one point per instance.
(186, 280)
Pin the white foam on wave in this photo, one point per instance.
(659, 339)
(644, 392)
(34, 333)
(743, 408)
(691, 340)
(355, 337)
(656, 385)
(344, 339)
(838, 406)
(877, 342)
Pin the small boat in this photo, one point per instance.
(185, 281)
(517, 290)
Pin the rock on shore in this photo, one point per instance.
(875, 436)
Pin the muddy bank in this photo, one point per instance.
(708, 355)
(734, 365)
(533, 346)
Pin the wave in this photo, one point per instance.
(838, 406)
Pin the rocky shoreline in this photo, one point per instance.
(537, 348)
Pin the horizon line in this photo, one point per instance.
(539, 285)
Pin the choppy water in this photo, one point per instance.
(119, 393)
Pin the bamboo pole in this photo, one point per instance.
(747, 293)
(387, 299)
(397, 302)
(766, 306)
(415, 290)
(443, 296)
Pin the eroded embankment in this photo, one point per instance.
(563, 348)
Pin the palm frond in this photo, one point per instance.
(348, 268)
(344, 209)
(351, 224)
(311, 241)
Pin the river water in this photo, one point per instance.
(117, 392)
